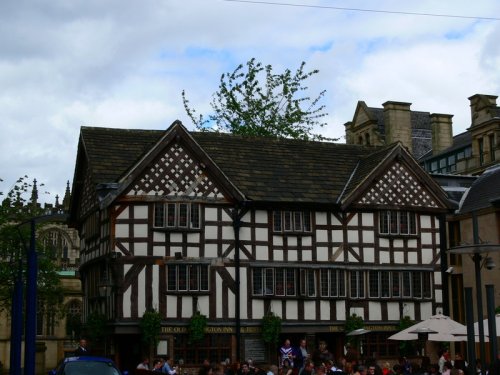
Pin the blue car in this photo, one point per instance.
(87, 366)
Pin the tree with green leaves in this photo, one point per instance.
(150, 326)
(277, 106)
(19, 206)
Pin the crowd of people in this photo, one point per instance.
(298, 361)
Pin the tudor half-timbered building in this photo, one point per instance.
(235, 227)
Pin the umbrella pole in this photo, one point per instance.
(492, 326)
(471, 346)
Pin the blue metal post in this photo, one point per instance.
(471, 345)
(492, 326)
(31, 305)
(16, 329)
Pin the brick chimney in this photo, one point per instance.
(397, 122)
(442, 132)
(480, 105)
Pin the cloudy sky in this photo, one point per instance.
(124, 63)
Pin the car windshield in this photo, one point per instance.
(90, 368)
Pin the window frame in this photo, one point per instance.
(200, 272)
(291, 221)
(182, 216)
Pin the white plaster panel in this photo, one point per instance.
(412, 257)
(193, 252)
(409, 310)
(321, 235)
(350, 256)
(335, 221)
(127, 306)
(399, 257)
(398, 243)
(438, 296)
(306, 241)
(359, 311)
(187, 307)
(261, 234)
(438, 240)
(292, 310)
(158, 236)
(384, 257)
(309, 310)
(354, 220)
(175, 237)
(324, 310)
(368, 236)
(425, 221)
(393, 311)
(140, 212)
(412, 244)
(340, 308)
(155, 287)
(126, 245)
(218, 287)
(353, 236)
(322, 254)
(320, 218)
(383, 242)
(278, 255)
(231, 309)
(258, 309)
(292, 241)
(171, 306)
(210, 232)
(204, 304)
(211, 250)
(140, 230)
(368, 219)
(276, 308)
(126, 268)
(374, 311)
(261, 217)
(210, 213)
(337, 235)
(245, 233)
(141, 248)
(278, 240)
(437, 278)
(427, 255)
(426, 238)
(227, 217)
(261, 253)
(307, 255)
(426, 310)
(243, 294)
(193, 238)
(228, 233)
(292, 255)
(369, 254)
(141, 296)
(125, 214)
(121, 230)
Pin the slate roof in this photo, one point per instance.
(262, 168)
(484, 191)
(459, 141)
(421, 129)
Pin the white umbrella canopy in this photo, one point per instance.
(442, 325)
(463, 331)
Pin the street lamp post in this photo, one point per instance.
(475, 251)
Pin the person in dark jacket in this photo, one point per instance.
(82, 349)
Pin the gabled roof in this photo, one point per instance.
(263, 169)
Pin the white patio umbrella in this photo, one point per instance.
(463, 331)
(437, 327)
